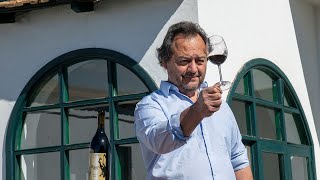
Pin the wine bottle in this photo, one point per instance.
(99, 152)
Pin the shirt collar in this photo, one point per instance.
(166, 86)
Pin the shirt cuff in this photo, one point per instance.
(174, 125)
(241, 161)
(241, 166)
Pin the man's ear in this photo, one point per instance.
(164, 64)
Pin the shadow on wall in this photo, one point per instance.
(5, 110)
(3, 168)
(128, 26)
(305, 17)
(3, 161)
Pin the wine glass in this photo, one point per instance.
(218, 53)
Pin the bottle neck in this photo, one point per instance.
(100, 125)
(101, 117)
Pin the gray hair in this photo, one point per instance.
(185, 28)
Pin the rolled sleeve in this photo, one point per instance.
(239, 159)
(239, 156)
(175, 127)
(160, 134)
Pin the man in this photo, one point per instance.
(185, 130)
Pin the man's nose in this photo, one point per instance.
(192, 67)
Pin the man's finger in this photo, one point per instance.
(214, 96)
(214, 89)
(217, 84)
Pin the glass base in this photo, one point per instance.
(225, 85)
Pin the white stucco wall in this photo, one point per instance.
(136, 27)
(131, 27)
(259, 29)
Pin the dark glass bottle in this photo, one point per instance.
(99, 152)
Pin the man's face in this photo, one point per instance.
(187, 66)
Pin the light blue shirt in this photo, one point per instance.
(213, 151)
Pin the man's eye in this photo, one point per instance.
(200, 61)
(183, 62)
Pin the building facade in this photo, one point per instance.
(58, 67)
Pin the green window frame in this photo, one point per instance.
(59, 65)
(243, 95)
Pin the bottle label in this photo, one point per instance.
(98, 166)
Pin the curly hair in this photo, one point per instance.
(185, 28)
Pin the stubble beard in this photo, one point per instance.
(189, 89)
(184, 87)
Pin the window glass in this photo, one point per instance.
(291, 129)
(128, 83)
(125, 112)
(79, 164)
(131, 162)
(40, 166)
(239, 111)
(40, 129)
(299, 168)
(295, 129)
(83, 123)
(271, 166)
(263, 85)
(48, 94)
(241, 87)
(288, 100)
(266, 122)
(249, 154)
(88, 80)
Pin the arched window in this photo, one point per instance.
(272, 123)
(54, 118)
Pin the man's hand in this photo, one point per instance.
(209, 100)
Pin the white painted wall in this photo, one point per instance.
(252, 29)
(259, 29)
(131, 27)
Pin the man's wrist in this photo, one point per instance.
(196, 111)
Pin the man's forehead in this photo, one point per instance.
(184, 37)
(182, 40)
(185, 44)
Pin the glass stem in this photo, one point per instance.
(220, 73)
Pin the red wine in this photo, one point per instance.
(99, 152)
(217, 59)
